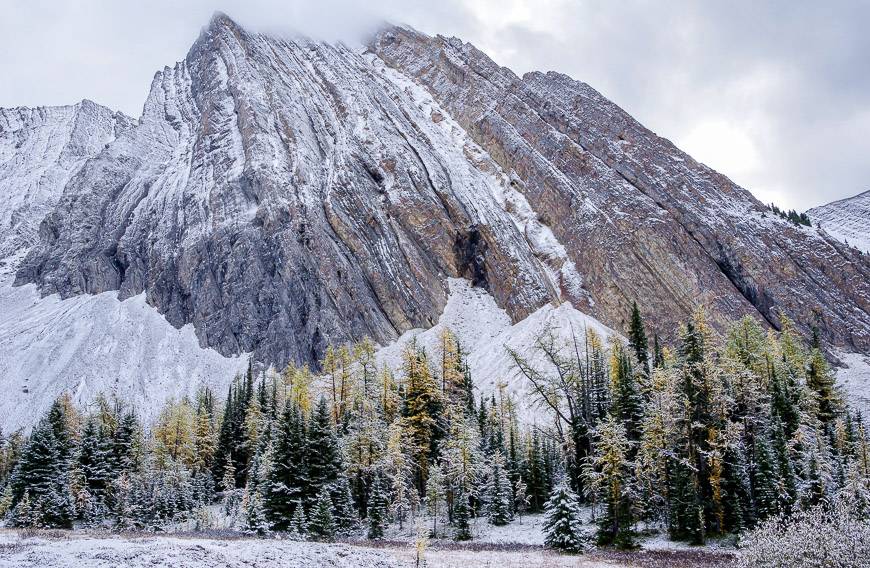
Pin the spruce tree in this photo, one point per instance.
(43, 472)
(535, 476)
(765, 481)
(255, 515)
(461, 516)
(377, 510)
(342, 500)
(821, 381)
(324, 461)
(563, 521)
(499, 494)
(627, 399)
(637, 339)
(288, 482)
(322, 524)
(298, 523)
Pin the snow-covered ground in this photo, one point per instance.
(484, 330)
(87, 551)
(88, 345)
(64, 549)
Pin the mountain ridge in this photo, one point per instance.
(282, 194)
(847, 220)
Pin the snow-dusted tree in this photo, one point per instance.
(255, 521)
(461, 516)
(399, 468)
(422, 415)
(43, 471)
(342, 501)
(821, 536)
(657, 436)
(204, 432)
(498, 493)
(436, 495)
(298, 523)
(609, 474)
(288, 480)
(324, 461)
(521, 498)
(377, 509)
(173, 434)
(322, 523)
(461, 459)
(563, 521)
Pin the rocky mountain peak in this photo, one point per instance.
(283, 194)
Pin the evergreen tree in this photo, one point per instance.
(299, 524)
(563, 521)
(288, 483)
(343, 510)
(255, 515)
(377, 510)
(322, 524)
(535, 476)
(95, 457)
(42, 473)
(627, 400)
(637, 340)
(765, 481)
(821, 381)
(499, 494)
(324, 462)
(461, 517)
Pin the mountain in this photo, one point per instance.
(846, 220)
(41, 149)
(278, 195)
(85, 344)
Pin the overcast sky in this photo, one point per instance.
(774, 94)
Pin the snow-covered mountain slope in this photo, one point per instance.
(41, 149)
(854, 378)
(284, 194)
(92, 344)
(847, 220)
(485, 331)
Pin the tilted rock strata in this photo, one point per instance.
(282, 195)
(643, 219)
(285, 194)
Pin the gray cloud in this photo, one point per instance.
(775, 94)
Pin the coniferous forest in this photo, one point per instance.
(703, 438)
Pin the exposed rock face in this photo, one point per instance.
(40, 150)
(643, 219)
(284, 194)
(847, 220)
